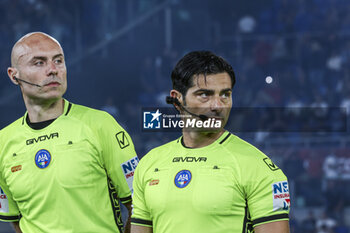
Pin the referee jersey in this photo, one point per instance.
(66, 175)
(228, 186)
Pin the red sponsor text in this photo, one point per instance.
(284, 195)
(129, 174)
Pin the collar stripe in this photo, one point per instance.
(69, 107)
(223, 140)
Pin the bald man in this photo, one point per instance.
(63, 167)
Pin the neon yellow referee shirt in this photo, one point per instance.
(228, 186)
(67, 176)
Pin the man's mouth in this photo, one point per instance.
(217, 118)
(52, 84)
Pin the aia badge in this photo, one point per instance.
(42, 158)
(183, 178)
(281, 197)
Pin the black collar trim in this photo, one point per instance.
(39, 125)
(69, 107)
(43, 124)
(223, 140)
(183, 144)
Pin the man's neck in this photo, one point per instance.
(43, 111)
(193, 139)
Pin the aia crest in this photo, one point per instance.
(42, 158)
(183, 178)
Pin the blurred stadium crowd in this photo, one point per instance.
(120, 55)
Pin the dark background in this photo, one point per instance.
(120, 55)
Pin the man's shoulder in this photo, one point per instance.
(242, 149)
(11, 128)
(85, 112)
(91, 116)
(158, 151)
(97, 121)
(164, 147)
(248, 156)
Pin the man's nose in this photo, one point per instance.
(216, 104)
(52, 69)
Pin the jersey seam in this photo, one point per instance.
(239, 167)
(254, 148)
(94, 133)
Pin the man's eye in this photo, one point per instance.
(203, 95)
(226, 95)
(58, 61)
(38, 63)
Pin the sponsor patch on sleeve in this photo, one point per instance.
(281, 198)
(4, 203)
(128, 169)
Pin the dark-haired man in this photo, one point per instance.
(63, 167)
(208, 180)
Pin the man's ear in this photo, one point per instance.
(176, 94)
(12, 72)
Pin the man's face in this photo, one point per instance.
(40, 60)
(211, 96)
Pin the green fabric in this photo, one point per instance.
(231, 186)
(71, 194)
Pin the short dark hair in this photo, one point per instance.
(195, 63)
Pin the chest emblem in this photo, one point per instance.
(42, 158)
(153, 182)
(16, 168)
(183, 178)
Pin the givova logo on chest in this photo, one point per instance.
(42, 138)
(189, 159)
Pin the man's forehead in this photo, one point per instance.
(37, 40)
(35, 45)
(204, 81)
(30, 53)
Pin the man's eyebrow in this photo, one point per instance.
(211, 91)
(226, 90)
(203, 90)
(38, 58)
(57, 55)
(44, 58)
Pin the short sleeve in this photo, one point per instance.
(8, 208)
(140, 214)
(267, 193)
(119, 157)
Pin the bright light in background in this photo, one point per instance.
(268, 79)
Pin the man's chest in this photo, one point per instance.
(31, 164)
(193, 183)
